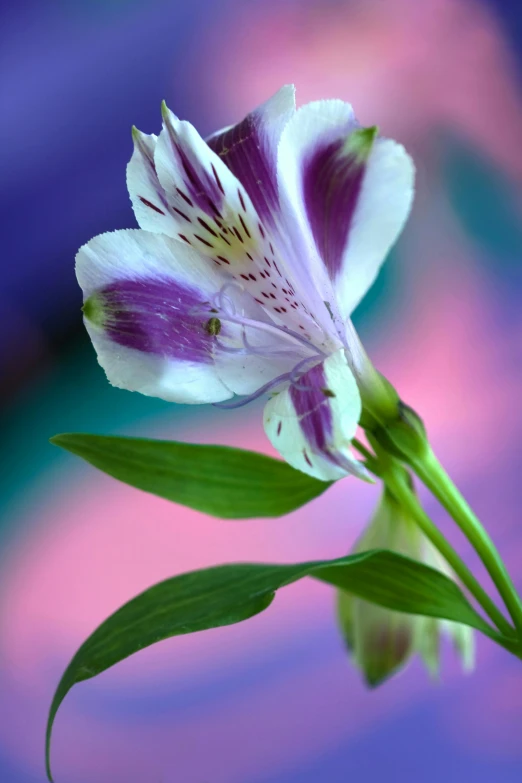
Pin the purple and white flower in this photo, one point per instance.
(254, 248)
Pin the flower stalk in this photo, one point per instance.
(432, 474)
(403, 437)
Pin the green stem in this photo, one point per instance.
(403, 493)
(396, 480)
(433, 475)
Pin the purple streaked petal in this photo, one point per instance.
(146, 193)
(312, 173)
(312, 408)
(231, 235)
(249, 149)
(157, 376)
(214, 213)
(147, 313)
(145, 146)
(186, 169)
(313, 422)
(132, 254)
(157, 316)
(382, 208)
(332, 180)
(345, 196)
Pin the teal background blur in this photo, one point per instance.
(273, 700)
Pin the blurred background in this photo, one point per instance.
(273, 700)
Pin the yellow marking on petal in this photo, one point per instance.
(231, 237)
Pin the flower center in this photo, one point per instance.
(288, 342)
(221, 309)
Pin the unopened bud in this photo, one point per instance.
(381, 641)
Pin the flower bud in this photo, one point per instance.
(381, 641)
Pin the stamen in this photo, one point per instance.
(232, 349)
(287, 376)
(294, 380)
(255, 395)
(224, 307)
(279, 331)
(227, 313)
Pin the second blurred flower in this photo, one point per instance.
(382, 641)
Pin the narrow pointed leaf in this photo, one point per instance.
(227, 594)
(225, 482)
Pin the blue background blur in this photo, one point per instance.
(273, 700)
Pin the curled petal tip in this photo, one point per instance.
(136, 135)
(166, 112)
(140, 139)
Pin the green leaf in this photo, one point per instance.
(228, 594)
(219, 480)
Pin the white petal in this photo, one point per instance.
(463, 639)
(272, 354)
(208, 199)
(382, 210)
(344, 206)
(246, 374)
(157, 376)
(220, 221)
(131, 254)
(312, 428)
(249, 149)
(141, 290)
(148, 198)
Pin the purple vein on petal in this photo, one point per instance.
(332, 181)
(204, 188)
(243, 149)
(154, 316)
(144, 147)
(313, 408)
